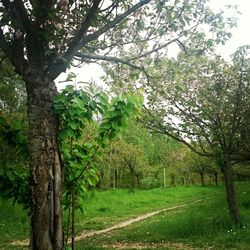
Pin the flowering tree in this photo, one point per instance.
(203, 102)
(43, 38)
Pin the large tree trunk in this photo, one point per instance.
(45, 167)
(230, 191)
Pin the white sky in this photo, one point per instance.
(240, 36)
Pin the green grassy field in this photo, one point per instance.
(204, 225)
(104, 208)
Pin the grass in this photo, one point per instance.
(13, 223)
(199, 225)
(202, 226)
(104, 208)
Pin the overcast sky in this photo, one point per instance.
(240, 36)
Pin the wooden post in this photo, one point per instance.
(164, 176)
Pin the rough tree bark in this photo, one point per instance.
(45, 167)
(230, 190)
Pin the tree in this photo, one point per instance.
(204, 104)
(199, 164)
(126, 159)
(42, 38)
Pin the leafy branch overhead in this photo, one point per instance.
(100, 30)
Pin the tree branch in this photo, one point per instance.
(75, 44)
(23, 15)
(17, 11)
(109, 59)
(114, 22)
(114, 60)
(4, 45)
(189, 145)
(11, 53)
(61, 66)
(156, 126)
(155, 50)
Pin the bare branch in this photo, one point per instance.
(155, 50)
(109, 59)
(114, 60)
(157, 126)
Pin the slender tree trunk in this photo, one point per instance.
(138, 181)
(210, 180)
(120, 178)
(185, 180)
(230, 191)
(73, 205)
(164, 178)
(216, 179)
(45, 167)
(202, 180)
(114, 180)
(173, 180)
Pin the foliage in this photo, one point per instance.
(13, 135)
(77, 108)
(87, 30)
(127, 160)
(206, 107)
(144, 152)
(208, 102)
(14, 224)
(14, 161)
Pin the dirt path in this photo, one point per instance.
(130, 221)
(122, 224)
